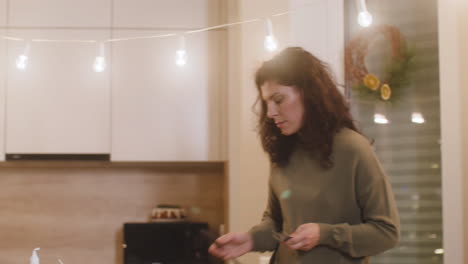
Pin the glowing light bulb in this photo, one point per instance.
(270, 42)
(181, 57)
(364, 19)
(22, 62)
(181, 53)
(380, 119)
(100, 61)
(99, 64)
(417, 118)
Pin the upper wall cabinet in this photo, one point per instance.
(3, 13)
(57, 104)
(165, 14)
(60, 13)
(166, 112)
(143, 106)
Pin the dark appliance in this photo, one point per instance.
(166, 243)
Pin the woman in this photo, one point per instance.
(328, 195)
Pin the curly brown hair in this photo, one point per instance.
(325, 108)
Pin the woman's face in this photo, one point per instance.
(284, 106)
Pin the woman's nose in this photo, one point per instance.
(272, 112)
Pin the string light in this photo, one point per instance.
(417, 118)
(22, 59)
(152, 36)
(270, 42)
(364, 17)
(100, 61)
(380, 119)
(181, 53)
(99, 64)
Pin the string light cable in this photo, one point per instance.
(93, 41)
(270, 42)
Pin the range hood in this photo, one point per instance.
(56, 157)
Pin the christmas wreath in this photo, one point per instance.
(368, 85)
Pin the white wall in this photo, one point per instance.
(3, 23)
(453, 36)
(463, 32)
(318, 26)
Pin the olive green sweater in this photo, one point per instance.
(352, 202)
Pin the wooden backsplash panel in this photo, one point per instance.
(77, 212)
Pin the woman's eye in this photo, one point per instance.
(278, 100)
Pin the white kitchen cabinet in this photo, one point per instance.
(3, 14)
(163, 14)
(60, 13)
(164, 112)
(142, 108)
(58, 104)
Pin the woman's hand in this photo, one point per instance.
(231, 245)
(305, 237)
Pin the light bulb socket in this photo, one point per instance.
(269, 27)
(362, 5)
(182, 42)
(101, 50)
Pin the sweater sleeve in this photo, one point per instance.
(271, 220)
(379, 230)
